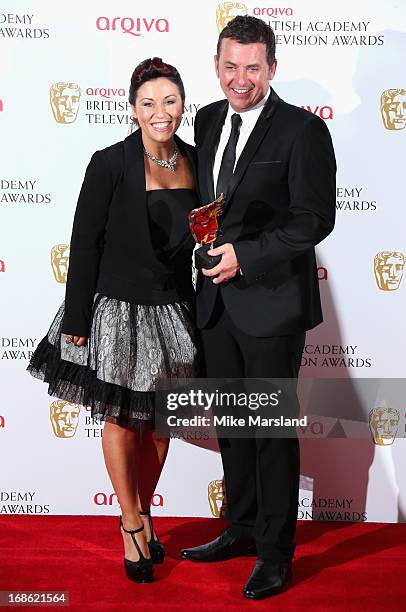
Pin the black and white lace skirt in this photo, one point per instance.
(130, 349)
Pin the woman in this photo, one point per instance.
(128, 317)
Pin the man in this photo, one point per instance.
(275, 163)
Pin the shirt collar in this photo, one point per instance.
(250, 116)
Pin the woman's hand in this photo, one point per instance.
(76, 340)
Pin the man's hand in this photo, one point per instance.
(228, 266)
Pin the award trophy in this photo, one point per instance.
(203, 223)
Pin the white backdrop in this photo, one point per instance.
(336, 61)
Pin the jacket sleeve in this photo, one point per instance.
(86, 245)
(197, 128)
(312, 194)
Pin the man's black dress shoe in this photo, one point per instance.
(224, 547)
(267, 578)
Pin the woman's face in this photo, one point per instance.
(158, 110)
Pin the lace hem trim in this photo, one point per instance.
(78, 384)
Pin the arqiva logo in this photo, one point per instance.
(324, 112)
(272, 12)
(107, 499)
(106, 92)
(132, 25)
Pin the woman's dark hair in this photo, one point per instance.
(246, 29)
(153, 68)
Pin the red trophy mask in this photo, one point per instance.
(203, 224)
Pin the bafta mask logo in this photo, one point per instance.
(226, 11)
(64, 418)
(216, 496)
(60, 262)
(64, 98)
(383, 423)
(388, 269)
(393, 109)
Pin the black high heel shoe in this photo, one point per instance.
(141, 570)
(156, 548)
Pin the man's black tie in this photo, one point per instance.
(228, 160)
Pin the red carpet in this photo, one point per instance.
(338, 566)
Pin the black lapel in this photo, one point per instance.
(134, 178)
(211, 144)
(256, 137)
(190, 152)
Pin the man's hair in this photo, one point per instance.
(246, 29)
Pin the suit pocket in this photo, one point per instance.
(265, 173)
(263, 163)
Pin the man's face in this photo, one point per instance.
(244, 73)
(67, 103)
(395, 111)
(389, 273)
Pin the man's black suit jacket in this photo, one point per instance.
(281, 203)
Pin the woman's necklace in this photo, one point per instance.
(169, 165)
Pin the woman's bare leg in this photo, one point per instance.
(153, 455)
(121, 450)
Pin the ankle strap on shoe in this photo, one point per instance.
(130, 531)
(145, 513)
